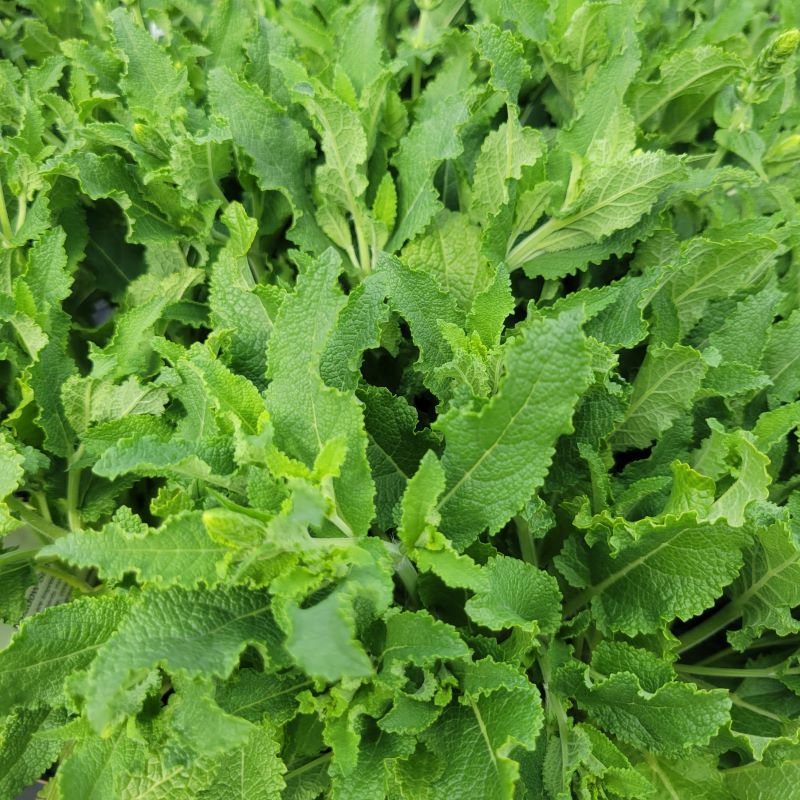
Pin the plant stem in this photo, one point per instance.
(22, 210)
(41, 502)
(71, 580)
(73, 491)
(526, 544)
(716, 160)
(293, 773)
(652, 762)
(214, 185)
(44, 528)
(416, 79)
(5, 222)
(17, 556)
(724, 617)
(736, 672)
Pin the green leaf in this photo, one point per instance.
(394, 449)
(615, 197)
(305, 413)
(475, 743)
(686, 81)
(709, 270)
(11, 473)
(234, 303)
(52, 645)
(24, 757)
(495, 458)
(504, 154)
(151, 81)
(667, 722)
(642, 579)
(450, 251)
(419, 639)
(781, 361)
(419, 514)
(766, 591)
(516, 595)
(429, 142)
(416, 297)
(279, 158)
(179, 553)
(197, 633)
(253, 771)
(664, 387)
(505, 54)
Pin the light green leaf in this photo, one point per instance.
(781, 359)
(450, 253)
(614, 197)
(419, 514)
(179, 553)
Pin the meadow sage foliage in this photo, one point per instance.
(407, 395)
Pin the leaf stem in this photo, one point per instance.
(715, 623)
(416, 79)
(73, 491)
(5, 222)
(17, 556)
(44, 528)
(41, 502)
(652, 762)
(736, 672)
(71, 580)
(527, 546)
(22, 210)
(215, 188)
(293, 773)
(531, 245)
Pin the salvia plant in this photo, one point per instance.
(400, 400)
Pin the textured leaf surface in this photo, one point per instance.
(496, 457)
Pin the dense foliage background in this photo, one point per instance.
(408, 396)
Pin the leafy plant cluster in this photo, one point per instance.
(408, 395)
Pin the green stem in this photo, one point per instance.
(41, 502)
(408, 577)
(716, 160)
(416, 79)
(293, 773)
(527, 547)
(5, 222)
(736, 672)
(724, 617)
(579, 600)
(550, 289)
(18, 556)
(22, 210)
(652, 762)
(214, 185)
(36, 523)
(73, 491)
(531, 245)
(762, 712)
(71, 580)
(405, 571)
(555, 710)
